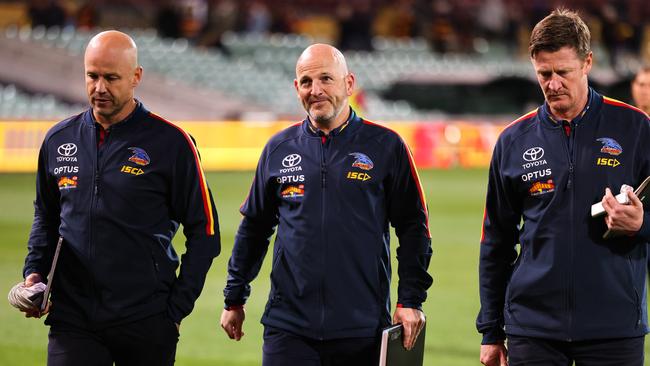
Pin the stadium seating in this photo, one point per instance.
(259, 69)
(19, 105)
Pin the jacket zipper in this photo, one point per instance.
(325, 140)
(570, 138)
(93, 205)
(91, 232)
(571, 152)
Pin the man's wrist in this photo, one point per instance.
(495, 343)
(233, 307)
(407, 305)
(493, 336)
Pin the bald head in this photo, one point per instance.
(322, 54)
(113, 44)
(112, 73)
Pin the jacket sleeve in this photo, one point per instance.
(45, 227)
(644, 231)
(497, 253)
(644, 156)
(407, 212)
(252, 238)
(192, 205)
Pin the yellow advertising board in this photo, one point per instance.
(19, 144)
(236, 145)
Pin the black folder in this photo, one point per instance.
(50, 276)
(392, 351)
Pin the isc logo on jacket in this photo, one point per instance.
(358, 176)
(131, 170)
(363, 162)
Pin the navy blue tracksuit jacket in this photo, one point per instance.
(567, 283)
(332, 199)
(117, 206)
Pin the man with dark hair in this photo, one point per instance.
(332, 185)
(114, 183)
(570, 294)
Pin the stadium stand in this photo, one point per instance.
(236, 59)
(52, 64)
(18, 104)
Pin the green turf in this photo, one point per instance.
(455, 199)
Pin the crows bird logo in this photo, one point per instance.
(362, 161)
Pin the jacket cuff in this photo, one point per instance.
(409, 305)
(174, 315)
(233, 307)
(233, 303)
(30, 270)
(494, 336)
(644, 231)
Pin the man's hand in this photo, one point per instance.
(626, 219)
(30, 280)
(494, 355)
(413, 321)
(232, 321)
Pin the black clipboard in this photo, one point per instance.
(643, 191)
(50, 277)
(392, 351)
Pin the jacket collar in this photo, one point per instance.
(351, 124)
(138, 113)
(594, 102)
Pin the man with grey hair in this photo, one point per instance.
(113, 185)
(332, 185)
(575, 291)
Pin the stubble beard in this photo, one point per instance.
(110, 111)
(326, 119)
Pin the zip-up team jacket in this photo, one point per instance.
(332, 199)
(117, 207)
(567, 283)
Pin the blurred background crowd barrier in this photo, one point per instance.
(446, 74)
(236, 145)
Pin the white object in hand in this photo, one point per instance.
(26, 298)
(597, 209)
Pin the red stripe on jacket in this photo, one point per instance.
(414, 174)
(207, 205)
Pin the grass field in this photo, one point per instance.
(455, 200)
